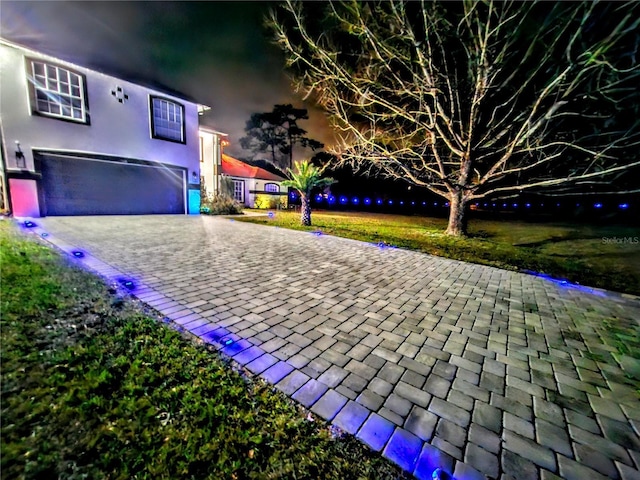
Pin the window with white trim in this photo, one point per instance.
(271, 188)
(58, 92)
(238, 190)
(167, 120)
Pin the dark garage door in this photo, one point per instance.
(79, 186)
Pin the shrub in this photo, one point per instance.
(267, 201)
(220, 205)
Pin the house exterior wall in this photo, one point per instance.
(115, 129)
(211, 160)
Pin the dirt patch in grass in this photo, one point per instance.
(93, 387)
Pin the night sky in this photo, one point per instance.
(214, 52)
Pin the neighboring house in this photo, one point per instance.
(250, 185)
(254, 186)
(79, 142)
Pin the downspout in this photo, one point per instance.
(6, 197)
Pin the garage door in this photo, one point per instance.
(81, 186)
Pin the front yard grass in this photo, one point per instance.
(596, 256)
(93, 388)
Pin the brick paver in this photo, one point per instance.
(481, 372)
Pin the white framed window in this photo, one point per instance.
(58, 92)
(167, 120)
(271, 188)
(238, 190)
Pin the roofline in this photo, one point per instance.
(211, 130)
(11, 44)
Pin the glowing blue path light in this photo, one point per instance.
(597, 205)
(317, 233)
(343, 200)
(44, 235)
(271, 214)
(401, 202)
(77, 254)
(367, 201)
(29, 224)
(127, 283)
(226, 341)
(446, 204)
(623, 206)
(390, 202)
(424, 203)
(379, 202)
(413, 203)
(318, 198)
(355, 200)
(528, 205)
(331, 200)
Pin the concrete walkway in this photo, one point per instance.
(434, 362)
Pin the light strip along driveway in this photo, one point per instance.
(434, 362)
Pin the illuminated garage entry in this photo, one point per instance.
(79, 184)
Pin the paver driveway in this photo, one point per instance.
(437, 363)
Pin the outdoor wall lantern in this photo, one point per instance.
(20, 160)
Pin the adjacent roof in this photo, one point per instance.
(236, 168)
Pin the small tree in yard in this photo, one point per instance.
(474, 99)
(304, 179)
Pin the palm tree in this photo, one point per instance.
(304, 180)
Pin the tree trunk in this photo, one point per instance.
(457, 215)
(305, 211)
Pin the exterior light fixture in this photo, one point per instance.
(77, 254)
(20, 160)
(598, 205)
(29, 224)
(623, 206)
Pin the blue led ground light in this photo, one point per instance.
(44, 235)
(29, 224)
(77, 254)
(127, 283)
(401, 203)
(270, 214)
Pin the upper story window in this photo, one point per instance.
(58, 92)
(167, 120)
(271, 187)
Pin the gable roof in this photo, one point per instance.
(237, 168)
(56, 57)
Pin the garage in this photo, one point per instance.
(74, 185)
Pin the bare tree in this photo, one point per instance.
(472, 99)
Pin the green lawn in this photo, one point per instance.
(92, 388)
(571, 251)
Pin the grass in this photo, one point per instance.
(579, 253)
(94, 388)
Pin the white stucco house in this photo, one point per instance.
(79, 142)
(254, 187)
(211, 145)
